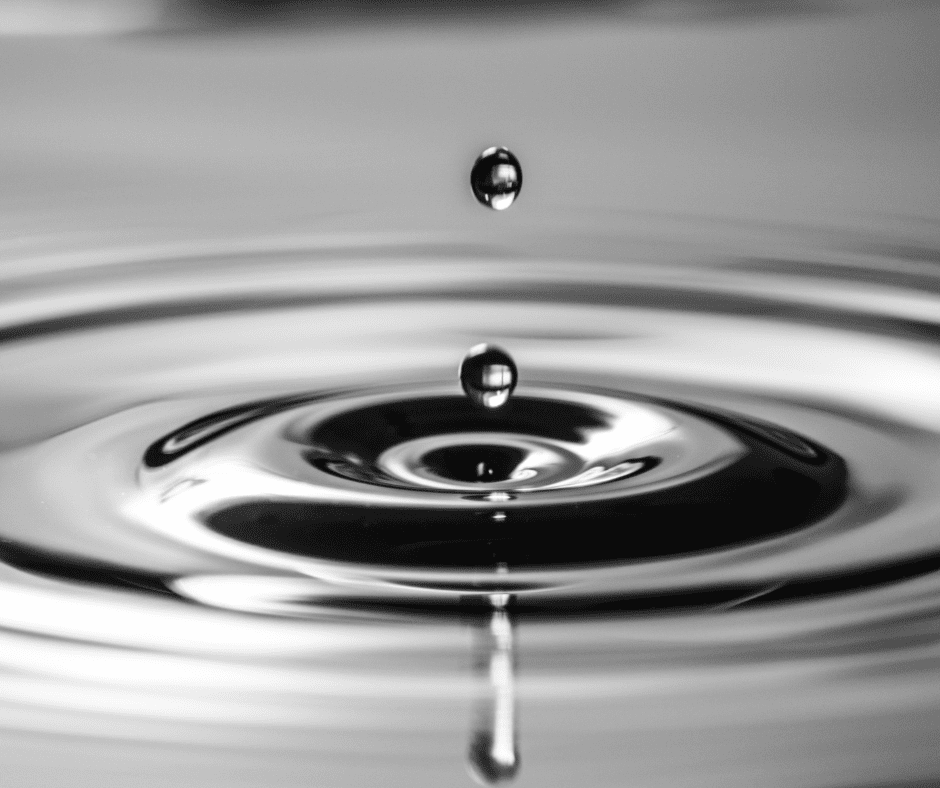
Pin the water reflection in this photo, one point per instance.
(494, 751)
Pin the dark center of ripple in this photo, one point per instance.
(475, 463)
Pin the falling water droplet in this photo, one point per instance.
(488, 375)
(496, 178)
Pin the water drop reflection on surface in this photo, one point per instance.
(494, 755)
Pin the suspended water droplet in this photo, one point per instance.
(488, 375)
(496, 178)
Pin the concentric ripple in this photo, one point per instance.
(431, 482)
(730, 459)
(673, 440)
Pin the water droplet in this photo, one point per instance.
(488, 375)
(496, 178)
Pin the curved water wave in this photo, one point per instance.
(231, 476)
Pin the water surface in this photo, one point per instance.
(222, 287)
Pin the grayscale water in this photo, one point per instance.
(256, 531)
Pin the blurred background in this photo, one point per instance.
(288, 112)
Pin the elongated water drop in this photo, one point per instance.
(488, 375)
(496, 178)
